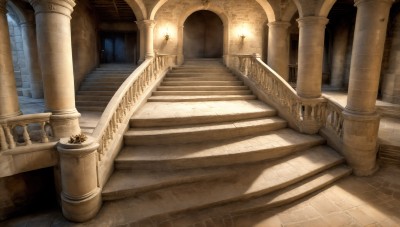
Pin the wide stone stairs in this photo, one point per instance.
(99, 86)
(204, 144)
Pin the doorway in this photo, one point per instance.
(118, 47)
(203, 35)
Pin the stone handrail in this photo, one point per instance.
(306, 114)
(126, 98)
(24, 130)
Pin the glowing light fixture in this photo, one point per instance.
(166, 34)
(242, 32)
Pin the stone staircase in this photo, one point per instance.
(99, 86)
(205, 145)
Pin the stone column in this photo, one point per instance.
(53, 28)
(339, 49)
(147, 28)
(391, 78)
(8, 90)
(311, 52)
(180, 57)
(28, 30)
(278, 48)
(80, 196)
(142, 41)
(361, 123)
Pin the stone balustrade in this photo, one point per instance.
(308, 114)
(24, 130)
(334, 118)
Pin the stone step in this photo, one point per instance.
(200, 98)
(92, 103)
(105, 80)
(260, 204)
(98, 88)
(203, 132)
(216, 153)
(201, 78)
(157, 114)
(202, 83)
(96, 93)
(201, 88)
(197, 93)
(91, 108)
(115, 84)
(126, 183)
(93, 98)
(250, 182)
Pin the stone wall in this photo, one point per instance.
(237, 16)
(84, 41)
(20, 67)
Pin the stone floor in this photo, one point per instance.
(353, 201)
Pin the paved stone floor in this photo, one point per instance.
(353, 201)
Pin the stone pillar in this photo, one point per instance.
(278, 48)
(80, 196)
(341, 36)
(8, 90)
(53, 28)
(391, 78)
(180, 57)
(147, 28)
(311, 52)
(28, 30)
(142, 41)
(361, 122)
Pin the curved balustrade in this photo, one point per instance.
(24, 130)
(308, 114)
(334, 118)
(126, 98)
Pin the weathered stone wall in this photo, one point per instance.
(236, 15)
(84, 41)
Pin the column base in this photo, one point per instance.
(83, 209)
(10, 115)
(360, 135)
(65, 125)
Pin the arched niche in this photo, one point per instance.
(203, 35)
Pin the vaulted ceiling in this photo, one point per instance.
(113, 10)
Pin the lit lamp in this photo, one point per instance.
(242, 33)
(166, 35)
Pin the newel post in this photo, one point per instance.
(80, 196)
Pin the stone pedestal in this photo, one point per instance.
(361, 123)
(360, 135)
(53, 29)
(8, 90)
(80, 196)
(278, 48)
(311, 50)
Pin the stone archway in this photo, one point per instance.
(203, 35)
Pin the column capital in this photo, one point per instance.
(146, 23)
(283, 24)
(312, 21)
(65, 7)
(3, 7)
(358, 2)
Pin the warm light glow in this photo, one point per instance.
(242, 32)
(166, 34)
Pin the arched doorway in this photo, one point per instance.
(203, 35)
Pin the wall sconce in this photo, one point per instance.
(166, 35)
(242, 33)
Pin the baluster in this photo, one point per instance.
(10, 138)
(3, 141)
(26, 136)
(44, 139)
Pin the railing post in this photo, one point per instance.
(80, 196)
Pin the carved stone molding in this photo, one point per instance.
(65, 7)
